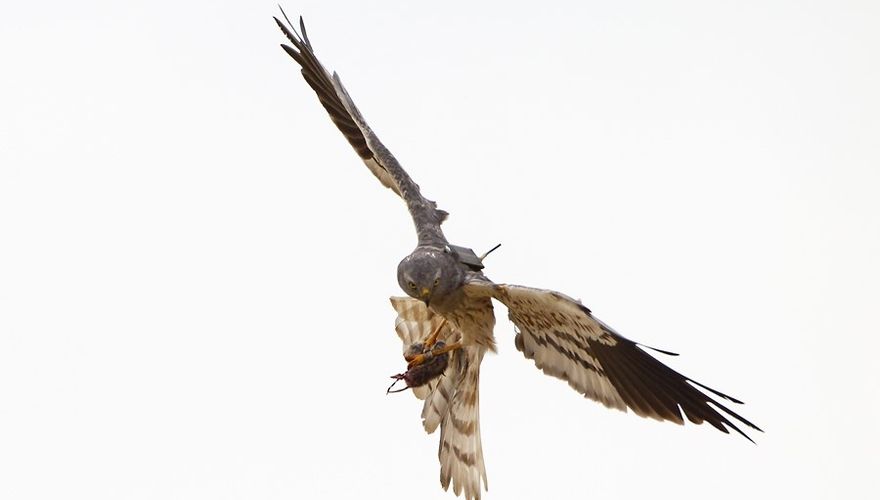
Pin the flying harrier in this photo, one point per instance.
(448, 314)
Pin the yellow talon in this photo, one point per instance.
(432, 339)
(421, 358)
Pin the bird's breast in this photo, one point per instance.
(472, 317)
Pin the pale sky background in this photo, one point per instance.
(195, 267)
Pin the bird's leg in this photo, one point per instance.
(432, 339)
(419, 359)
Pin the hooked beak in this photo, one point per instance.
(426, 295)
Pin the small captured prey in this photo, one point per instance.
(446, 320)
(426, 363)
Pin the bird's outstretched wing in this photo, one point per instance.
(565, 340)
(335, 99)
(451, 401)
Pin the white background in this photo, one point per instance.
(195, 267)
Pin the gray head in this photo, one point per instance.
(429, 274)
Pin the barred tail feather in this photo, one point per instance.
(461, 451)
(452, 401)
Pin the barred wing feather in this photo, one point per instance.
(565, 340)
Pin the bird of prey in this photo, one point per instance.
(448, 314)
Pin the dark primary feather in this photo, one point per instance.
(565, 340)
(347, 118)
(652, 389)
(318, 79)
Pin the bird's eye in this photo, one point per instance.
(412, 285)
(436, 281)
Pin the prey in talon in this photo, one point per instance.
(424, 365)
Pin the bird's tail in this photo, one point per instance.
(452, 401)
(461, 451)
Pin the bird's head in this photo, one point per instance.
(429, 274)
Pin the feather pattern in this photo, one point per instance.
(565, 340)
(461, 450)
(451, 401)
(348, 119)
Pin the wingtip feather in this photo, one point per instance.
(661, 351)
